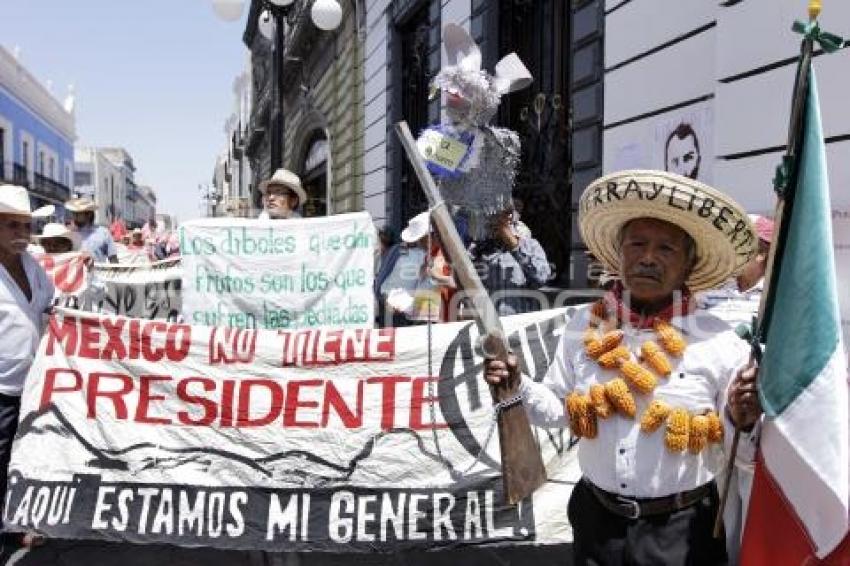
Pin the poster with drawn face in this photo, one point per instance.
(680, 141)
(684, 143)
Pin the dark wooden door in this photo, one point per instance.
(538, 31)
(416, 78)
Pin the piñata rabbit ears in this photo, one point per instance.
(462, 52)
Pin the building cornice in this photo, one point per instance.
(21, 84)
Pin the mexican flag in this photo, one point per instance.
(799, 504)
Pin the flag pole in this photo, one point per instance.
(784, 185)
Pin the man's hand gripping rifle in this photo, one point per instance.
(522, 466)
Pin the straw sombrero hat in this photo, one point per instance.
(724, 235)
(81, 204)
(56, 230)
(15, 200)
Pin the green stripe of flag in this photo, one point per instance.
(805, 324)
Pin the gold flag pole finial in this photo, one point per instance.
(815, 6)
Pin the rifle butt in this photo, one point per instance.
(522, 467)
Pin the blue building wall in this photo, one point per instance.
(24, 119)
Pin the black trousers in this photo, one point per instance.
(683, 537)
(9, 409)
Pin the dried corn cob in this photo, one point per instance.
(598, 310)
(656, 359)
(582, 415)
(678, 425)
(670, 338)
(611, 360)
(641, 378)
(620, 397)
(601, 406)
(592, 342)
(588, 418)
(698, 434)
(715, 427)
(573, 405)
(608, 342)
(654, 416)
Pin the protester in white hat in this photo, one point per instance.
(26, 293)
(95, 240)
(57, 238)
(282, 195)
(651, 385)
(414, 283)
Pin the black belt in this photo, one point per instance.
(644, 507)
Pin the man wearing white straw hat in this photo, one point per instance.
(282, 195)
(95, 240)
(57, 238)
(651, 385)
(26, 294)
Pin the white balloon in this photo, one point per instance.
(326, 14)
(228, 10)
(266, 24)
(282, 2)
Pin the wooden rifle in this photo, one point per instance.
(522, 466)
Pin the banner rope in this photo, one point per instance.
(429, 263)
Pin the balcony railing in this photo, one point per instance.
(50, 189)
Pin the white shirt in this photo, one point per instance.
(622, 459)
(264, 215)
(21, 323)
(407, 272)
(732, 305)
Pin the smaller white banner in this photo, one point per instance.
(144, 290)
(279, 274)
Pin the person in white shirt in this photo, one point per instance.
(26, 294)
(653, 386)
(96, 240)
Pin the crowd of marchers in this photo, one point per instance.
(665, 272)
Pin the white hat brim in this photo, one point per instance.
(5, 209)
(724, 236)
(411, 235)
(88, 207)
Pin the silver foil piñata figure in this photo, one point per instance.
(474, 162)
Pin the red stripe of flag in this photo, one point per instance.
(774, 534)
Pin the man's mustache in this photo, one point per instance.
(647, 271)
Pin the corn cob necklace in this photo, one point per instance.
(603, 342)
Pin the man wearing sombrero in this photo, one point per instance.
(652, 385)
(25, 294)
(95, 240)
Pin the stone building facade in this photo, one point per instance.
(321, 83)
(561, 44)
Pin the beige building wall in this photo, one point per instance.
(329, 99)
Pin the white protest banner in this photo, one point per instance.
(279, 274)
(321, 439)
(69, 275)
(145, 290)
